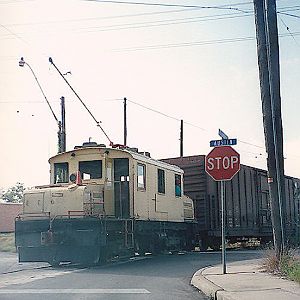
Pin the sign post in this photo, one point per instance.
(223, 226)
(222, 163)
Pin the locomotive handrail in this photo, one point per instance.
(33, 215)
(69, 215)
(78, 213)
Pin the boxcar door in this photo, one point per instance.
(264, 204)
(121, 187)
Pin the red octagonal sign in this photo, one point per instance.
(222, 163)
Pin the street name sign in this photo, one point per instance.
(223, 142)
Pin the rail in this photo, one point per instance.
(41, 215)
(74, 213)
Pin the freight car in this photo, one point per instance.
(248, 213)
(104, 202)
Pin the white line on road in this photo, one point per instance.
(30, 276)
(75, 291)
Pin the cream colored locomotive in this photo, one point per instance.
(104, 202)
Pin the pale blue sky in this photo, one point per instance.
(199, 65)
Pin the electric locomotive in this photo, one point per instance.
(104, 202)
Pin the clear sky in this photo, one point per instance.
(196, 64)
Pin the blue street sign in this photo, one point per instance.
(223, 142)
(223, 135)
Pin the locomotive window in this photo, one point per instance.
(109, 175)
(161, 181)
(141, 177)
(177, 185)
(61, 172)
(91, 169)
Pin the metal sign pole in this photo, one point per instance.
(223, 226)
(222, 163)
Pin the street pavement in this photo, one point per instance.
(9, 264)
(244, 280)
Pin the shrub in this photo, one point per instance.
(7, 242)
(287, 265)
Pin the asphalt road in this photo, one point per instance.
(164, 277)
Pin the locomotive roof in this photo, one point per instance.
(134, 155)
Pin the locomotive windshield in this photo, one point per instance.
(91, 169)
(161, 181)
(61, 172)
(177, 185)
(141, 178)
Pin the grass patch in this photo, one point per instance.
(7, 242)
(288, 265)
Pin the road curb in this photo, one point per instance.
(205, 285)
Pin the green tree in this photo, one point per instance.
(14, 194)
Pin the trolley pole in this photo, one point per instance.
(223, 226)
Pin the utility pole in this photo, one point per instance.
(181, 138)
(125, 122)
(63, 124)
(268, 62)
(62, 128)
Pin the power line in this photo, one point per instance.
(145, 24)
(187, 123)
(166, 22)
(148, 24)
(197, 43)
(290, 15)
(29, 102)
(23, 102)
(225, 6)
(14, 34)
(153, 110)
(288, 8)
(101, 18)
(288, 29)
(21, 39)
(281, 10)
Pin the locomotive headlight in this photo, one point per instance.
(73, 177)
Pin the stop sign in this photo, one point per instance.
(222, 163)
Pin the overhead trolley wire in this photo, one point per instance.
(196, 43)
(290, 15)
(155, 23)
(158, 23)
(187, 123)
(225, 6)
(288, 29)
(281, 10)
(102, 18)
(136, 25)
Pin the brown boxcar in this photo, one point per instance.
(248, 213)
